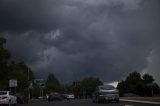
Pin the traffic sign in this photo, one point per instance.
(40, 82)
(13, 83)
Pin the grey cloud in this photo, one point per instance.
(152, 66)
(40, 14)
(81, 38)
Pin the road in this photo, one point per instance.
(81, 103)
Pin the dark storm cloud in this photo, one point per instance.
(21, 15)
(78, 38)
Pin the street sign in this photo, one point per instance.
(40, 82)
(12, 83)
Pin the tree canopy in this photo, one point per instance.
(52, 84)
(12, 70)
(139, 85)
(4, 53)
(85, 87)
(147, 78)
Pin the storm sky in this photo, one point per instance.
(78, 38)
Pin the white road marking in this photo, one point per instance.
(140, 101)
(128, 105)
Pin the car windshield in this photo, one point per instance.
(107, 87)
(3, 93)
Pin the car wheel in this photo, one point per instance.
(14, 104)
(117, 101)
(98, 101)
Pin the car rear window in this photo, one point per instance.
(107, 87)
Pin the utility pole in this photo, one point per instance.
(28, 86)
(28, 73)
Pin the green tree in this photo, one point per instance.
(52, 84)
(4, 56)
(133, 78)
(76, 88)
(4, 53)
(147, 78)
(89, 84)
(136, 84)
(122, 87)
(83, 88)
(20, 72)
(13, 70)
(133, 82)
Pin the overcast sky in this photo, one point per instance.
(78, 38)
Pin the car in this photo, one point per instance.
(41, 97)
(55, 97)
(70, 96)
(105, 93)
(6, 98)
(21, 98)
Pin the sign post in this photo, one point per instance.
(13, 84)
(41, 84)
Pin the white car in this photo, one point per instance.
(6, 98)
(70, 96)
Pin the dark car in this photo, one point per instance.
(21, 98)
(55, 97)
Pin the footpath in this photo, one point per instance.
(148, 100)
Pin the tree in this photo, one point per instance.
(77, 88)
(13, 70)
(133, 78)
(83, 88)
(4, 56)
(4, 53)
(19, 71)
(89, 84)
(134, 81)
(122, 87)
(136, 84)
(52, 84)
(147, 78)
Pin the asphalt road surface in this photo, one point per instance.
(80, 103)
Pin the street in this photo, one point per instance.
(80, 103)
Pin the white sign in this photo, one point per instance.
(12, 83)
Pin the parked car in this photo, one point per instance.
(41, 97)
(6, 98)
(70, 96)
(21, 98)
(55, 97)
(105, 93)
(64, 96)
